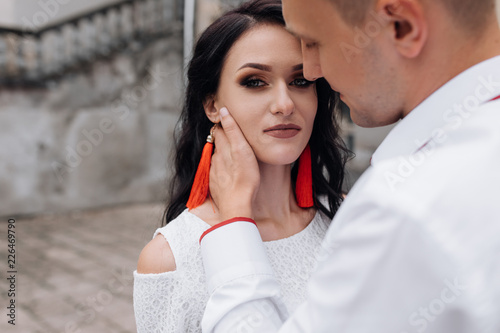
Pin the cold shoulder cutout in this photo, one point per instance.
(156, 257)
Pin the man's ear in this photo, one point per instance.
(211, 109)
(409, 25)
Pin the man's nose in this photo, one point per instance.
(312, 68)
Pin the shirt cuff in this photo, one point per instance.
(232, 250)
(234, 219)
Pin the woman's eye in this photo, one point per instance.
(254, 83)
(301, 82)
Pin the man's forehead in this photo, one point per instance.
(299, 14)
(296, 34)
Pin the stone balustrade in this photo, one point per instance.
(31, 56)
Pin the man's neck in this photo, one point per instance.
(444, 66)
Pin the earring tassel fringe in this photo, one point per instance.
(303, 186)
(199, 190)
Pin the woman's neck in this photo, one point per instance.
(275, 210)
(274, 200)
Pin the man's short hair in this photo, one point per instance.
(471, 15)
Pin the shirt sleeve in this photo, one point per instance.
(156, 303)
(240, 279)
(373, 275)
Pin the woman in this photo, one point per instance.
(246, 61)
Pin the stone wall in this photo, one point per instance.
(99, 137)
(36, 14)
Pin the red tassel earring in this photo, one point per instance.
(303, 186)
(199, 190)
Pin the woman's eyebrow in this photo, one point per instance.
(262, 67)
(267, 68)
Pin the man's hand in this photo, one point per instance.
(234, 172)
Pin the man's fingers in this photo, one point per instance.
(231, 129)
(234, 174)
(220, 140)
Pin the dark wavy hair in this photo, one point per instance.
(328, 151)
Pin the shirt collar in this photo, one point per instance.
(466, 91)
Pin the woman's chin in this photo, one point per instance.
(278, 154)
(277, 159)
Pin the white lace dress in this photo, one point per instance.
(175, 301)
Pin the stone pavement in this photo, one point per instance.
(74, 271)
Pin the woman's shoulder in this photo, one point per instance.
(156, 257)
(169, 243)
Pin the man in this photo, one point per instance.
(415, 247)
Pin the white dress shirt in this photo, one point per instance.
(415, 247)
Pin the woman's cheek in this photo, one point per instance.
(240, 115)
(249, 117)
(309, 107)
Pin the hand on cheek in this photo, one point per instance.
(234, 174)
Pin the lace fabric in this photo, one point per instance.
(175, 301)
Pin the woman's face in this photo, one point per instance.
(263, 86)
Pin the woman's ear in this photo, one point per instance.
(211, 109)
(409, 27)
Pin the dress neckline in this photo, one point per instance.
(276, 241)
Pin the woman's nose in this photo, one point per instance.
(283, 102)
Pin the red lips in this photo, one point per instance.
(283, 127)
(283, 131)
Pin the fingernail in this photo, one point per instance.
(224, 112)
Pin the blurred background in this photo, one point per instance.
(90, 92)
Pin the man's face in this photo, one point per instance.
(358, 62)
